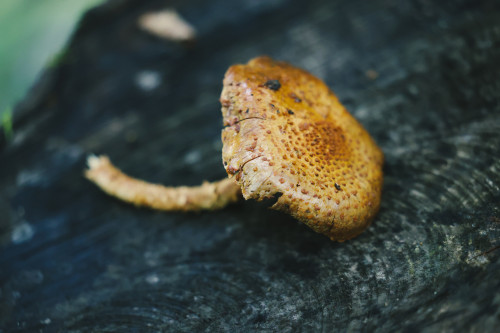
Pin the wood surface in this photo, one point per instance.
(421, 76)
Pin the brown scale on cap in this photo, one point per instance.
(287, 134)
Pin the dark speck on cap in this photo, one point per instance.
(273, 84)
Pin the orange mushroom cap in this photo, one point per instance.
(287, 135)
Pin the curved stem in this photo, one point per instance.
(208, 196)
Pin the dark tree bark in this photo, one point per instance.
(422, 77)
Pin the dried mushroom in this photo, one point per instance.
(286, 136)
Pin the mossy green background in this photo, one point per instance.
(32, 34)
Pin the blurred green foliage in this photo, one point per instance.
(6, 117)
(33, 33)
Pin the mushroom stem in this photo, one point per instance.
(208, 196)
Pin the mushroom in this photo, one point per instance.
(287, 137)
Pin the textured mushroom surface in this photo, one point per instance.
(287, 135)
(208, 196)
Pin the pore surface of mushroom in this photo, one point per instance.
(287, 135)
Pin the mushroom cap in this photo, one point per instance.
(287, 136)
